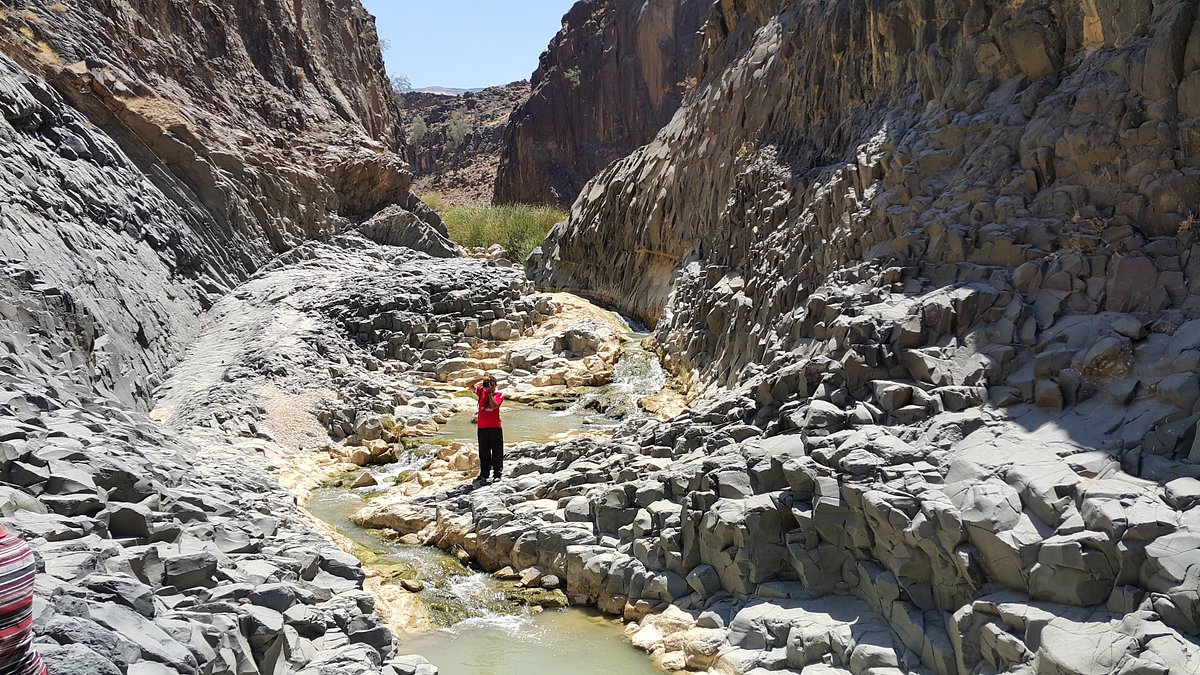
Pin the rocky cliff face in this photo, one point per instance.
(153, 156)
(457, 150)
(199, 140)
(604, 86)
(942, 258)
(938, 142)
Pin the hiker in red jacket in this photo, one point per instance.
(491, 435)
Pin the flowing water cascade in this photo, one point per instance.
(637, 373)
(479, 628)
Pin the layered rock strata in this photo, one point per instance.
(157, 549)
(608, 81)
(198, 141)
(977, 544)
(993, 154)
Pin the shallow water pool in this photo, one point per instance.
(523, 423)
(573, 641)
(485, 635)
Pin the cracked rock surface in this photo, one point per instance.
(934, 265)
(142, 178)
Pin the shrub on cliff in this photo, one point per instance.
(457, 129)
(417, 131)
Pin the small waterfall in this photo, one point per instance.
(409, 460)
(484, 605)
(637, 373)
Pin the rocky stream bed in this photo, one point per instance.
(175, 541)
(931, 270)
(822, 537)
(338, 371)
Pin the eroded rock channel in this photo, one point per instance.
(340, 370)
(929, 267)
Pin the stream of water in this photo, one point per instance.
(638, 373)
(524, 423)
(479, 630)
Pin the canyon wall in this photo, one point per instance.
(153, 157)
(935, 263)
(455, 148)
(950, 143)
(158, 154)
(604, 86)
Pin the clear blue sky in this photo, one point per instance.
(466, 43)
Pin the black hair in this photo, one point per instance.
(488, 400)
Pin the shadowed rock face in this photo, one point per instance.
(608, 81)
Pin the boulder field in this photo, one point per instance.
(165, 539)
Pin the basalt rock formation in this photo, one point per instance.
(939, 260)
(202, 140)
(610, 80)
(459, 172)
(152, 158)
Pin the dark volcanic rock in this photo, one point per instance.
(817, 153)
(459, 171)
(76, 659)
(608, 81)
(198, 142)
(152, 157)
(936, 263)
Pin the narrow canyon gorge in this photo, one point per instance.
(869, 342)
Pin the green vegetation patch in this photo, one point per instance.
(572, 75)
(519, 228)
(539, 597)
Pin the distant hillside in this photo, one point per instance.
(447, 91)
(454, 140)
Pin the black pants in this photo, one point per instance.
(491, 451)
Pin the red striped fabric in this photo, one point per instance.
(17, 571)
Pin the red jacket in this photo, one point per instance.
(489, 411)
